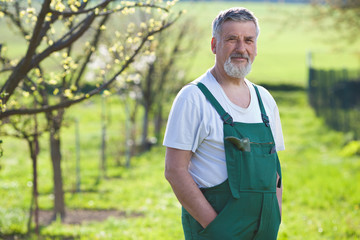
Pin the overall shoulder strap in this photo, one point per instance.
(264, 117)
(223, 114)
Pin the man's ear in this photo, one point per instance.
(213, 45)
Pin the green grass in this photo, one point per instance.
(285, 40)
(320, 186)
(321, 199)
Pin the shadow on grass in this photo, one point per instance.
(72, 217)
(81, 216)
(283, 87)
(33, 237)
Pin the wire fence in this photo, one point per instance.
(335, 96)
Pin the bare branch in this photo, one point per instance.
(94, 43)
(7, 69)
(135, 5)
(68, 103)
(66, 14)
(16, 19)
(103, 5)
(74, 34)
(23, 66)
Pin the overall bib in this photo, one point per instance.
(246, 202)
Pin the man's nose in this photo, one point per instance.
(240, 46)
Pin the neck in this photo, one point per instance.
(225, 80)
(235, 88)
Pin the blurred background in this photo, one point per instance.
(86, 88)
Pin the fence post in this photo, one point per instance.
(1, 150)
(310, 77)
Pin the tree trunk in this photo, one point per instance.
(103, 166)
(128, 129)
(34, 151)
(55, 125)
(158, 121)
(78, 169)
(144, 141)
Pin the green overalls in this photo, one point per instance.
(246, 202)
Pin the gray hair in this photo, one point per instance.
(234, 14)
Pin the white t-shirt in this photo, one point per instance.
(195, 125)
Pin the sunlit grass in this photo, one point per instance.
(284, 43)
(320, 186)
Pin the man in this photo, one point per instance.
(222, 139)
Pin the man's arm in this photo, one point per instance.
(184, 187)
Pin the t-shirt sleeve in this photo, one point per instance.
(279, 139)
(184, 128)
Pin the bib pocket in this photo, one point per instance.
(258, 168)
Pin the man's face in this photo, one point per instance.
(236, 48)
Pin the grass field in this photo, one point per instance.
(321, 190)
(321, 199)
(286, 38)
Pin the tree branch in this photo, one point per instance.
(16, 19)
(94, 44)
(68, 103)
(135, 5)
(63, 43)
(23, 66)
(66, 14)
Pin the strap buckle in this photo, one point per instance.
(265, 119)
(227, 119)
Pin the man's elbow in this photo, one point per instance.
(169, 174)
(174, 174)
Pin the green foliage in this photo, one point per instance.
(351, 149)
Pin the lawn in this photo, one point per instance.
(321, 190)
(321, 199)
(286, 38)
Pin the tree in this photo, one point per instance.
(163, 74)
(340, 15)
(69, 34)
(27, 128)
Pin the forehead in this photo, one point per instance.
(244, 28)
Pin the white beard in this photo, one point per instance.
(237, 71)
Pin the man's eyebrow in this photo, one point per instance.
(232, 36)
(250, 37)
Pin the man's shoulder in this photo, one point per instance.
(191, 89)
(265, 94)
(264, 91)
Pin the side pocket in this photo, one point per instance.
(218, 225)
(211, 225)
(190, 226)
